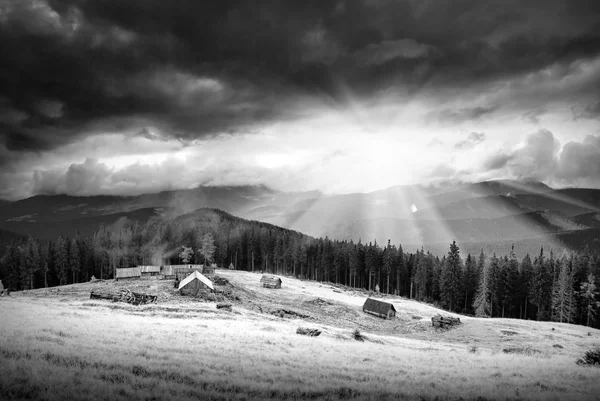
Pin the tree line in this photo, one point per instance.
(545, 286)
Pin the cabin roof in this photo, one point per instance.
(196, 276)
(270, 279)
(149, 269)
(375, 305)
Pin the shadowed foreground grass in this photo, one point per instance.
(56, 350)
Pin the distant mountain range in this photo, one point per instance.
(484, 213)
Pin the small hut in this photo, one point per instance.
(194, 283)
(270, 281)
(379, 308)
(150, 270)
(128, 272)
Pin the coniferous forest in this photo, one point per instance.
(544, 286)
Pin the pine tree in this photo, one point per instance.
(421, 275)
(207, 250)
(450, 283)
(353, 264)
(483, 298)
(563, 300)
(371, 263)
(389, 256)
(502, 288)
(470, 281)
(74, 261)
(47, 261)
(62, 260)
(30, 261)
(514, 283)
(401, 269)
(10, 265)
(539, 285)
(589, 293)
(525, 273)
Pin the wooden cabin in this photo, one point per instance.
(379, 308)
(194, 283)
(128, 272)
(149, 270)
(270, 281)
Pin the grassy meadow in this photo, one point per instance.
(57, 347)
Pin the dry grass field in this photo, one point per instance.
(57, 344)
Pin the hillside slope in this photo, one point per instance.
(185, 349)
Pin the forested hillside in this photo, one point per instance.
(543, 286)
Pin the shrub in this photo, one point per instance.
(591, 357)
(357, 335)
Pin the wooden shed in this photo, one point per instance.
(270, 281)
(195, 282)
(379, 308)
(128, 272)
(150, 270)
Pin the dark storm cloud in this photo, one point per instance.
(198, 68)
(533, 116)
(472, 140)
(459, 115)
(591, 110)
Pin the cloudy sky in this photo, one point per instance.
(133, 96)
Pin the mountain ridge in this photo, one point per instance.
(495, 210)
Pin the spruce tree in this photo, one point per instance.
(563, 300)
(450, 280)
(514, 283)
(389, 256)
(62, 260)
(207, 250)
(401, 269)
(538, 284)
(525, 273)
(502, 287)
(589, 293)
(483, 299)
(30, 261)
(470, 280)
(74, 261)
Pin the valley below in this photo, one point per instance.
(56, 343)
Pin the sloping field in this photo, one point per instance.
(57, 344)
